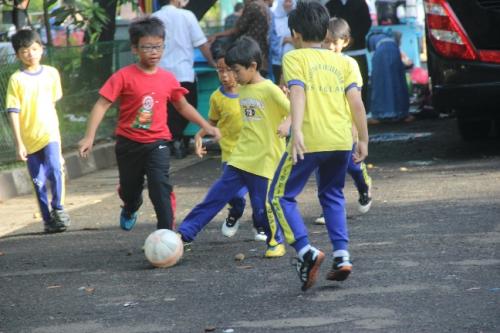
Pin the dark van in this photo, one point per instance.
(463, 46)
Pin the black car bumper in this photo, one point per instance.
(465, 85)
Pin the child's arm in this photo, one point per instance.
(189, 112)
(21, 151)
(98, 111)
(359, 117)
(297, 107)
(199, 150)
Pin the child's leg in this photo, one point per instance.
(38, 173)
(130, 158)
(359, 174)
(55, 174)
(238, 202)
(217, 197)
(258, 188)
(160, 191)
(332, 173)
(288, 182)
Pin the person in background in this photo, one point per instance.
(32, 93)
(230, 21)
(254, 22)
(281, 40)
(357, 15)
(389, 100)
(182, 35)
(20, 16)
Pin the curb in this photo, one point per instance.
(17, 182)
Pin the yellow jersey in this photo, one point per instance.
(33, 96)
(325, 76)
(259, 149)
(225, 111)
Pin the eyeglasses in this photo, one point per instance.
(151, 48)
(223, 70)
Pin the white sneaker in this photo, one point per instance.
(364, 202)
(320, 220)
(260, 235)
(230, 226)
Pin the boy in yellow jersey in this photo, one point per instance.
(339, 37)
(256, 155)
(320, 81)
(225, 113)
(31, 96)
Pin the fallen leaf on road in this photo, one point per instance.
(96, 201)
(54, 286)
(239, 257)
(36, 215)
(129, 304)
(403, 169)
(2, 254)
(210, 328)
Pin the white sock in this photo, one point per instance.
(303, 251)
(341, 253)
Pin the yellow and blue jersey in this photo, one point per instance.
(33, 96)
(325, 77)
(225, 111)
(258, 151)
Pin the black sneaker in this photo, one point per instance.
(308, 269)
(341, 269)
(60, 216)
(54, 226)
(364, 202)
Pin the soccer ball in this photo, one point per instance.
(163, 248)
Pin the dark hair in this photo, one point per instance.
(244, 51)
(310, 19)
(25, 38)
(219, 53)
(238, 7)
(145, 27)
(339, 28)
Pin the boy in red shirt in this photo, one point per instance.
(142, 135)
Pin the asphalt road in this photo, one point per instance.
(426, 257)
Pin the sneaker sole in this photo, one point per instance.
(339, 275)
(364, 209)
(313, 274)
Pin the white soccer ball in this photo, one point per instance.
(163, 248)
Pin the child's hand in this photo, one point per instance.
(298, 147)
(361, 152)
(22, 153)
(214, 131)
(284, 128)
(85, 147)
(199, 150)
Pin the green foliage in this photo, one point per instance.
(84, 14)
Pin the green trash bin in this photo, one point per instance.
(208, 82)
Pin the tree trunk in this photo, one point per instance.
(108, 32)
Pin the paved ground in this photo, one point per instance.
(426, 257)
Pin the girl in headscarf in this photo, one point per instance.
(281, 40)
(389, 98)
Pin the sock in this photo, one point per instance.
(341, 253)
(303, 251)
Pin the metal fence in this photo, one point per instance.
(83, 70)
